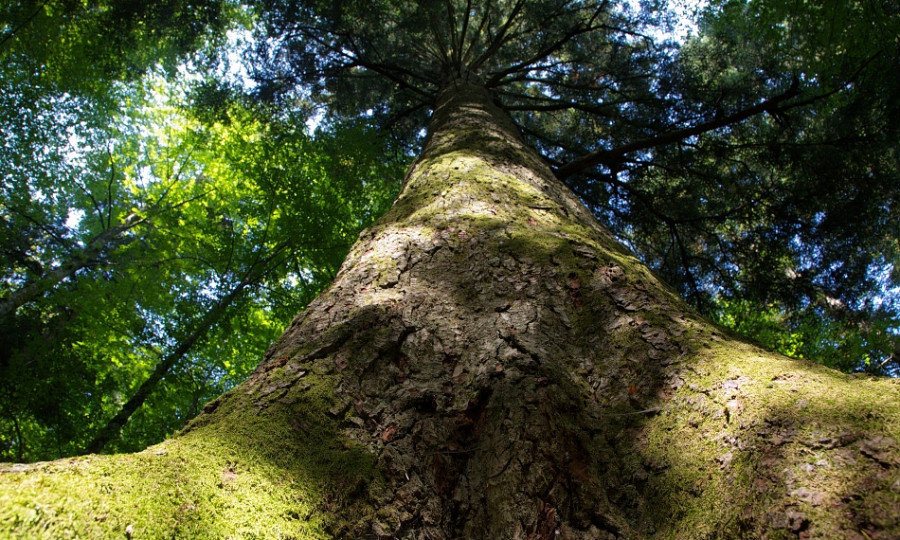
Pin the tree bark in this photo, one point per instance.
(503, 368)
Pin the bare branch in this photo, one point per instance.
(500, 38)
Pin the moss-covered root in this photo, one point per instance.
(750, 445)
(759, 446)
(280, 471)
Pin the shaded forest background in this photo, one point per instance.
(180, 179)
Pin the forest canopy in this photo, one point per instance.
(166, 206)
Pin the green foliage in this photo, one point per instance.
(87, 47)
(849, 345)
(177, 238)
(794, 210)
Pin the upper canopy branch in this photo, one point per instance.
(774, 105)
(497, 78)
(500, 39)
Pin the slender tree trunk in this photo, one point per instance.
(212, 317)
(490, 363)
(118, 421)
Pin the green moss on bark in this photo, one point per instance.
(279, 473)
(768, 446)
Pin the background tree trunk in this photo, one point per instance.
(490, 363)
(205, 323)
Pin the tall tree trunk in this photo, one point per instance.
(490, 363)
(493, 340)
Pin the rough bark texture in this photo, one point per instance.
(490, 363)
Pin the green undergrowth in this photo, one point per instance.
(279, 473)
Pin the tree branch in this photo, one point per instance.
(500, 39)
(97, 246)
(597, 157)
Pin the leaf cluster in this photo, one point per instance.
(154, 245)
